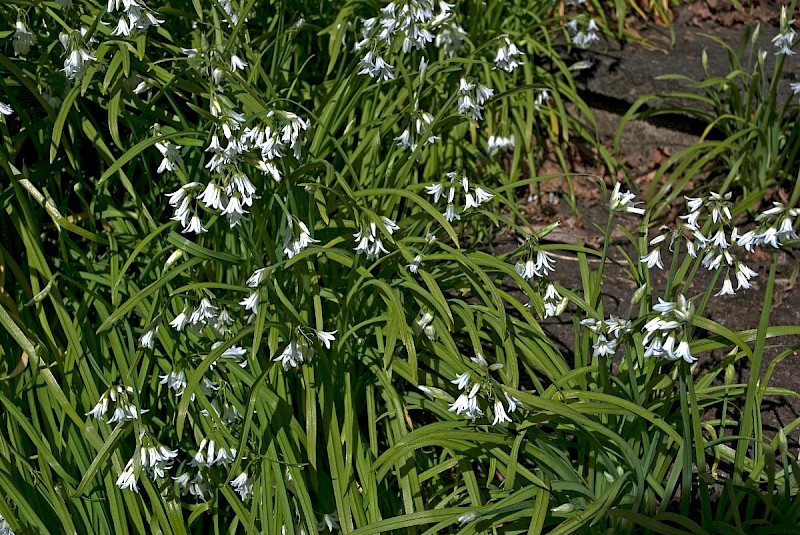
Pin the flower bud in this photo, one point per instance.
(173, 258)
(437, 393)
(466, 518)
(563, 509)
(430, 332)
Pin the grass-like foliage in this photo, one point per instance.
(247, 286)
(751, 143)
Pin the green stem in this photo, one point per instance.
(752, 402)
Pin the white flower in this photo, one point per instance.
(329, 522)
(237, 64)
(462, 381)
(295, 243)
(368, 241)
(512, 402)
(257, 277)
(783, 41)
(5, 528)
(326, 337)
(236, 354)
(375, 67)
(212, 196)
(195, 225)
(180, 320)
(147, 337)
(156, 460)
(5, 109)
(544, 264)
(196, 485)
(174, 380)
(77, 62)
(171, 154)
(234, 210)
(472, 98)
(508, 57)
(554, 303)
(294, 354)
(481, 195)
(414, 265)
(604, 347)
(204, 312)
(450, 213)
(727, 288)
(743, 275)
(497, 144)
(466, 518)
(125, 412)
(483, 93)
(500, 415)
(684, 353)
(623, 202)
(127, 479)
(653, 259)
(243, 486)
(100, 408)
(250, 302)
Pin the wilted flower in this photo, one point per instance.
(23, 39)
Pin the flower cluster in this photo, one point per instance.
(171, 157)
(583, 31)
(424, 324)
(623, 202)
(230, 190)
(535, 265)
(204, 314)
(296, 239)
(236, 145)
(294, 354)
(508, 57)
(469, 401)
(498, 144)
(413, 24)
(711, 236)
(211, 453)
(153, 459)
(784, 40)
(78, 56)
(368, 241)
(118, 399)
(472, 97)
(243, 485)
(136, 17)
(776, 225)
(420, 121)
(457, 185)
(299, 350)
(609, 333)
(667, 335)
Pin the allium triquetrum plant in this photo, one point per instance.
(241, 290)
